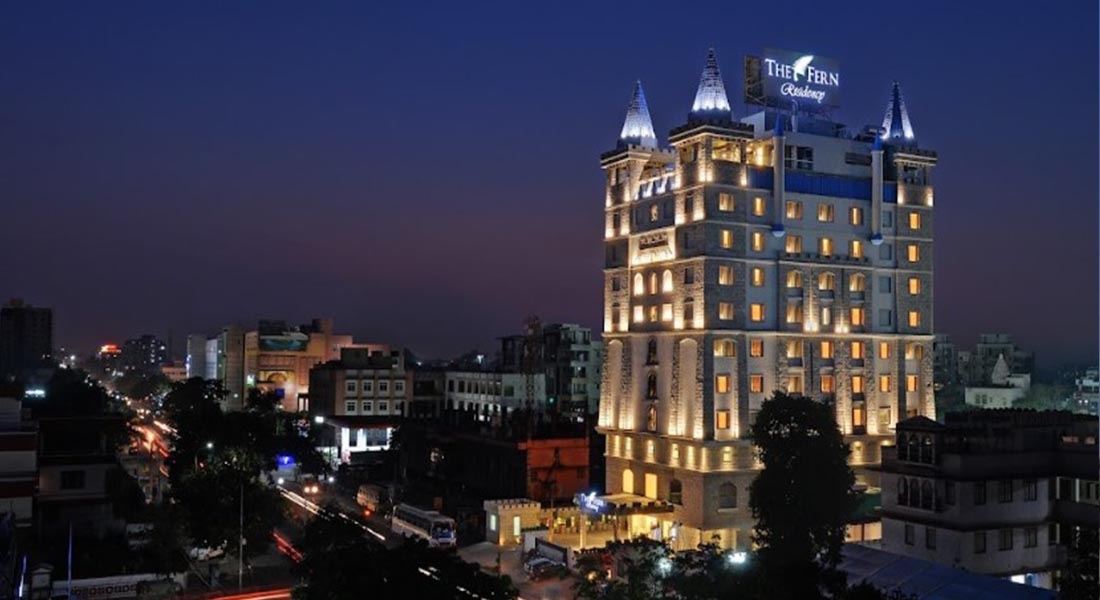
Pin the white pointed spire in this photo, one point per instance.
(638, 127)
(711, 95)
(896, 123)
(1000, 373)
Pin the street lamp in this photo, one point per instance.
(209, 445)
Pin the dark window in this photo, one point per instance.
(689, 205)
(651, 352)
(689, 275)
(1031, 537)
(689, 311)
(914, 492)
(979, 493)
(1004, 539)
(979, 542)
(675, 492)
(908, 534)
(615, 285)
(930, 538)
(1004, 490)
(903, 491)
(651, 421)
(72, 480)
(927, 494)
(727, 496)
(949, 492)
(651, 386)
(1031, 490)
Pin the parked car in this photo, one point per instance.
(538, 568)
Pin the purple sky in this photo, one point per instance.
(429, 175)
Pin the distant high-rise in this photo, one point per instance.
(770, 253)
(26, 339)
(144, 354)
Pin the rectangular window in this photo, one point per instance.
(723, 420)
(794, 313)
(756, 384)
(350, 406)
(756, 313)
(886, 252)
(759, 206)
(914, 286)
(949, 492)
(757, 277)
(725, 202)
(855, 249)
(859, 351)
(794, 384)
(885, 317)
(350, 386)
(757, 241)
(689, 275)
(979, 542)
(383, 387)
(1031, 537)
(383, 407)
(1031, 490)
(911, 383)
(72, 480)
(859, 417)
(855, 216)
(884, 383)
(1004, 490)
(930, 538)
(725, 275)
(727, 239)
(859, 317)
(828, 384)
(793, 244)
(884, 421)
(616, 284)
(884, 350)
(914, 221)
(909, 534)
(722, 384)
(398, 387)
(756, 348)
(825, 246)
(794, 349)
(725, 348)
(914, 253)
(979, 493)
(794, 210)
(654, 314)
(825, 212)
(887, 218)
(725, 311)
(794, 279)
(666, 311)
(886, 285)
(1004, 539)
(857, 384)
(639, 314)
(914, 318)
(826, 349)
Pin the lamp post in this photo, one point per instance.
(240, 544)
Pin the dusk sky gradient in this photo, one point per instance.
(428, 174)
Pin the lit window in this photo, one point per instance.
(914, 351)
(794, 313)
(859, 317)
(725, 311)
(725, 202)
(826, 282)
(654, 213)
(914, 286)
(855, 216)
(825, 246)
(857, 384)
(884, 350)
(725, 275)
(756, 384)
(756, 348)
(794, 244)
(725, 348)
(666, 281)
(825, 213)
(723, 420)
(722, 384)
(914, 253)
(757, 241)
(914, 318)
(652, 283)
(757, 277)
(639, 284)
(639, 314)
(654, 314)
(828, 386)
(794, 349)
(756, 313)
(884, 383)
(794, 384)
(914, 221)
(727, 239)
(666, 312)
(910, 383)
(794, 209)
(859, 351)
(826, 349)
(759, 207)
(855, 249)
(857, 282)
(794, 279)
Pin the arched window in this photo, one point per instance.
(903, 450)
(911, 448)
(914, 492)
(654, 213)
(651, 385)
(651, 352)
(794, 279)
(675, 492)
(651, 418)
(927, 495)
(639, 284)
(826, 282)
(628, 481)
(666, 281)
(857, 282)
(653, 283)
(727, 495)
(926, 452)
(903, 491)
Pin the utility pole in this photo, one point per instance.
(240, 545)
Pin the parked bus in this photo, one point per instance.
(437, 529)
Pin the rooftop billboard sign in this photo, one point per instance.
(783, 78)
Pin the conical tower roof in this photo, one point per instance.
(896, 123)
(711, 98)
(638, 127)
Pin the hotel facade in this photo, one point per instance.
(746, 256)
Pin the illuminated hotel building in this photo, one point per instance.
(754, 255)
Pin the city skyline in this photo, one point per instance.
(263, 171)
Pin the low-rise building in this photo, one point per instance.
(992, 491)
(1086, 394)
(1003, 389)
(18, 458)
(492, 395)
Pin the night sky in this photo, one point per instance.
(429, 175)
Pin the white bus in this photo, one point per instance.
(437, 529)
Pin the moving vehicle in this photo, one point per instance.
(437, 529)
(311, 485)
(371, 496)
